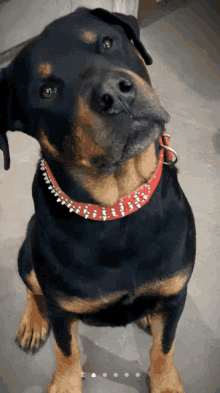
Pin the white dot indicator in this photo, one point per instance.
(137, 374)
(115, 375)
(104, 375)
(93, 375)
(126, 375)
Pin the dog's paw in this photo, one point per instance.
(32, 332)
(166, 383)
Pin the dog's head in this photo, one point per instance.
(82, 90)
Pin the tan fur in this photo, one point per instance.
(164, 377)
(103, 189)
(46, 145)
(146, 162)
(87, 144)
(33, 283)
(67, 377)
(168, 287)
(137, 170)
(129, 179)
(88, 36)
(85, 147)
(45, 70)
(34, 325)
(81, 306)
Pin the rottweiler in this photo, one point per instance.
(112, 240)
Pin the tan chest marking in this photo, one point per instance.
(137, 170)
(168, 287)
(82, 306)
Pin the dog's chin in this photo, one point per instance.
(106, 167)
(139, 140)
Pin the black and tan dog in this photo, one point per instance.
(112, 240)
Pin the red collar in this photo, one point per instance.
(125, 206)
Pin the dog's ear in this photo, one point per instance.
(130, 26)
(6, 113)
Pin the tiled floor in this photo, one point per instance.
(184, 45)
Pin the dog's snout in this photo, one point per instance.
(114, 95)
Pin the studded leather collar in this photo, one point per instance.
(124, 206)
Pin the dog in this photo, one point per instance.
(112, 240)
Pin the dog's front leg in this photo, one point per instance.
(67, 376)
(164, 377)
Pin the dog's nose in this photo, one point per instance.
(114, 95)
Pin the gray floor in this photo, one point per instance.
(186, 74)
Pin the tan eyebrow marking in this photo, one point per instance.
(88, 36)
(45, 70)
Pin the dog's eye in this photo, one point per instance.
(107, 43)
(47, 91)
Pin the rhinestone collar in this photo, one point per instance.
(125, 206)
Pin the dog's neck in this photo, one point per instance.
(126, 204)
(106, 190)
